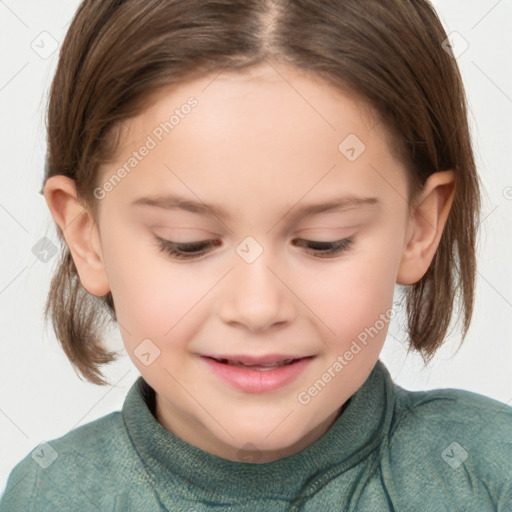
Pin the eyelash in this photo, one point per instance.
(191, 250)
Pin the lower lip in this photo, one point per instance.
(258, 381)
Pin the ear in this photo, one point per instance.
(425, 226)
(80, 233)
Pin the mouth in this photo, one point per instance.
(257, 374)
(270, 362)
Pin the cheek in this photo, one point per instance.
(152, 296)
(351, 295)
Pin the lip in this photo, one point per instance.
(251, 380)
(248, 359)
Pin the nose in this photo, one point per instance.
(254, 296)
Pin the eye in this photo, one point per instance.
(325, 249)
(190, 250)
(187, 250)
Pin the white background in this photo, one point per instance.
(41, 396)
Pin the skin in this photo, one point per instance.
(260, 149)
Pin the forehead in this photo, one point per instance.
(272, 130)
(257, 103)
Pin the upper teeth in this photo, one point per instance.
(265, 365)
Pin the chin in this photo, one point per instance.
(265, 451)
(263, 439)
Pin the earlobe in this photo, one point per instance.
(426, 225)
(80, 232)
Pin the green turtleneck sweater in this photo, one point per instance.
(390, 450)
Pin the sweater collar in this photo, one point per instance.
(357, 432)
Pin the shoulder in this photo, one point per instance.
(455, 411)
(64, 473)
(462, 441)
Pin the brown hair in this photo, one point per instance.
(117, 53)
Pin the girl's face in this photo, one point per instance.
(261, 173)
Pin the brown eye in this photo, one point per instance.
(187, 250)
(190, 250)
(326, 249)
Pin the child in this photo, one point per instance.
(241, 185)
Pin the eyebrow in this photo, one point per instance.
(173, 202)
